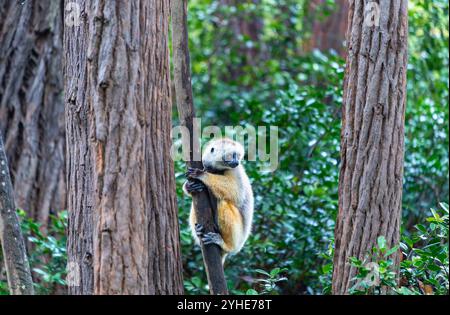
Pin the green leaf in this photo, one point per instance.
(262, 272)
(405, 291)
(408, 241)
(381, 241)
(355, 261)
(40, 271)
(391, 251)
(275, 272)
(444, 206)
(196, 281)
(421, 228)
(327, 268)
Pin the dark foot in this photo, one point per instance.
(193, 173)
(195, 186)
(199, 230)
(212, 238)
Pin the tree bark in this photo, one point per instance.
(31, 104)
(327, 32)
(123, 225)
(203, 202)
(13, 245)
(372, 136)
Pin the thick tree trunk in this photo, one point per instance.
(12, 242)
(123, 226)
(372, 138)
(327, 32)
(31, 104)
(204, 202)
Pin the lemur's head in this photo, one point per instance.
(222, 154)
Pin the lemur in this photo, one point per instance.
(225, 177)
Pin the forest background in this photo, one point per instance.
(266, 62)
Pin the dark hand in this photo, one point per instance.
(194, 186)
(193, 173)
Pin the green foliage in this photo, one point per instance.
(376, 271)
(4, 290)
(426, 132)
(424, 269)
(46, 252)
(326, 275)
(295, 207)
(48, 257)
(268, 284)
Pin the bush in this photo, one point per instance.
(424, 268)
(46, 253)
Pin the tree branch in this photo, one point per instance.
(13, 245)
(204, 202)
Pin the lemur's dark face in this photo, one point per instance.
(222, 154)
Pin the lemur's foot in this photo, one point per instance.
(212, 238)
(199, 230)
(194, 186)
(193, 173)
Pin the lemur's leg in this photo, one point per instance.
(220, 185)
(231, 229)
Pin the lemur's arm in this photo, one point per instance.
(222, 186)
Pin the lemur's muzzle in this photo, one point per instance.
(233, 162)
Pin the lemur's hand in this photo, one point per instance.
(210, 237)
(194, 186)
(194, 173)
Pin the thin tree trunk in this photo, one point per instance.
(13, 245)
(123, 225)
(372, 138)
(31, 104)
(203, 201)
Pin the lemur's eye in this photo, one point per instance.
(212, 150)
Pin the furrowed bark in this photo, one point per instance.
(372, 136)
(31, 104)
(204, 202)
(123, 224)
(13, 245)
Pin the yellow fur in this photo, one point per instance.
(223, 186)
(230, 225)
